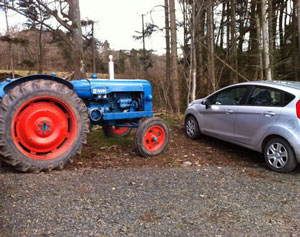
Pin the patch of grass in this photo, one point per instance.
(171, 119)
(98, 139)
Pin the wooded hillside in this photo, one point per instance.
(216, 43)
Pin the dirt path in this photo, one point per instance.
(102, 152)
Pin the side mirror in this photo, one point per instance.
(206, 103)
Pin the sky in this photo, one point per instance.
(117, 21)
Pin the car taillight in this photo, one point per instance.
(298, 109)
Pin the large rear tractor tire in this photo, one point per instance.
(43, 124)
(152, 137)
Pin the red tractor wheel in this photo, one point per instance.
(115, 131)
(152, 137)
(42, 125)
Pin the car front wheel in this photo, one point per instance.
(280, 156)
(192, 127)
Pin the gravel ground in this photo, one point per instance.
(193, 201)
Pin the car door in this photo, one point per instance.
(260, 111)
(218, 119)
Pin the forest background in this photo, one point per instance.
(224, 42)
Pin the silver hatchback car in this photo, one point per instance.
(262, 116)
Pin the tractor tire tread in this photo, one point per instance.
(138, 141)
(16, 95)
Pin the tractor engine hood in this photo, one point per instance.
(89, 88)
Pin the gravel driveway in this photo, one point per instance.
(193, 201)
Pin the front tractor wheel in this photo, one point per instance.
(152, 137)
(42, 125)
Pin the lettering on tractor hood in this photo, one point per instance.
(99, 91)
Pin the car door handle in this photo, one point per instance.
(269, 114)
(228, 111)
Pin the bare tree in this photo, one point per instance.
(211, 49)
(39, 28)
(298, 20)
(260, 70)
(174, 66)
(10, 45)
(234, 62)
(77, 40)
(266, 50)
(193, 66)
(66, 13)
(168, 51)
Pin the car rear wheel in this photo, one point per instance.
(280, 156)
(192, 128)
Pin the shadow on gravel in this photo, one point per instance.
(5, 168)
(229, 152)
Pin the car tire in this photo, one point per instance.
(192, 128)
(279, 155)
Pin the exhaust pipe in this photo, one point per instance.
(111, 68)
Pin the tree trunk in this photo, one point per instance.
(222, 25)
(174, 66)
(281, 32)
(295, 56)
(298, 20)
(234, 75)
(266, 49)
(199, 40)
(281, 12)
(93, 49)
(243, 25)
(144, 45)
(77, 40)
(228, 28)
(285, 23)
(253, 37)
(260, 70)
(168, 53)
(271, 17)
(41, 50)
(193, 52)
(210, 42)
(12, 68)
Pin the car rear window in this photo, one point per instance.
(264, 96)
(287, 98)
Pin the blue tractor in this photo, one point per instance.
(44, 119)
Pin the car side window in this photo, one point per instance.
(263, 96)
(230, 96)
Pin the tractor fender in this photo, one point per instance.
(21, 80)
